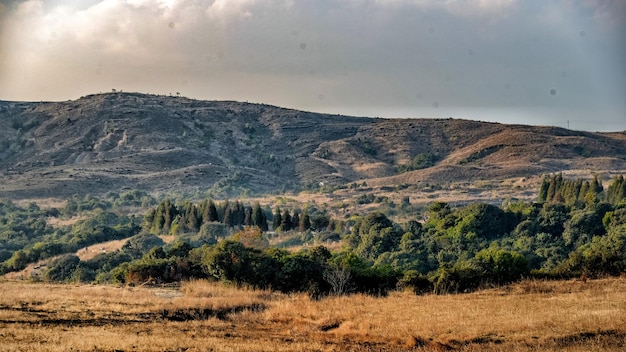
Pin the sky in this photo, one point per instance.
(538, 62)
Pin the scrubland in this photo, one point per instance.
(204, 316)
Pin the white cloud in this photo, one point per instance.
(290, 52)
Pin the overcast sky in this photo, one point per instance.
(539, 62)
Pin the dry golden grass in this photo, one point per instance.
(202, 316)
(104, 247)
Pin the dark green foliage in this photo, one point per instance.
(62, 269)
(616, 191)
(139, 245)
(489, 267)
(364, 277)
(414, 280)
(87, 203)
(366, 146)
(481, 154)
(179, 249)
(501, 266)
(188, 218)
(485, 220)
(277, 218)
(420, 161)
(98, 268)
(305, 221)
(233, 262)
(373, 235)
(576, 230)
(286, 223)
(40, 241)
(134, 198)
(571, 192)
(552, 218)
(582, 226)
(604, 255)
(302, 271)
(258, 217)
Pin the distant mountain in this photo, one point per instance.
(115, 141)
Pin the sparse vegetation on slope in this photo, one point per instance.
(116, 141)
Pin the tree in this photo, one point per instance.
(339, 279)
(278, 218)
(252, 237)
(233, 262)
(210, 214)
(258, 217)
(286, 223)
(373, 235)
(305, 222)
(502, 266)
(543, 190)
(582, 226)
(295, 221)
(61, 269)
(617, 190)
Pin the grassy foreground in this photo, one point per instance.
(202, 316)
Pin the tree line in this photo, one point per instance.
(575, 228)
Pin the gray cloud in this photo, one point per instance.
(504, 60)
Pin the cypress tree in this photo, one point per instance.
(295, 220)
(278, 218)
(543, 190)
(228, 217)
(617, 190)
(285, 224)
(192, 222)
(551, 189)
(258, 217)
(211, 212)
(305, 221)
(247, 219)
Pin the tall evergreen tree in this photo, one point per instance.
(170, 213)
(228, 217)
(278, 218)
(543, 190)
(286, 223)
(191, 222)
(617, 190)
(247, 219)
(305, 221)
(211, 212)
(295, 220)
(258, 217)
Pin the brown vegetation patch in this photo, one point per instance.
(200, 316)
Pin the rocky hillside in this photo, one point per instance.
(116, 141)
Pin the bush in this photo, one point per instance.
(62, 269)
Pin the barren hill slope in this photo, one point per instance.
(109, 142)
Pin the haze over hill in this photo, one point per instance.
(115, 141)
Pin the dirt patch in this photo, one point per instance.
(105, 247)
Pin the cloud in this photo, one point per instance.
(400, 55)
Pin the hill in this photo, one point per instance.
(115, 141)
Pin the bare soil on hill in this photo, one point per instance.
(120, 141)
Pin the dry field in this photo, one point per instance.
(202, 316)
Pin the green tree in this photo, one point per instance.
(305, 222)
(278, 218)
(62, 269)
(286, 223)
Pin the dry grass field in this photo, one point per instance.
(202, 316)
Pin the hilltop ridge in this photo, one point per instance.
(113, 141)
